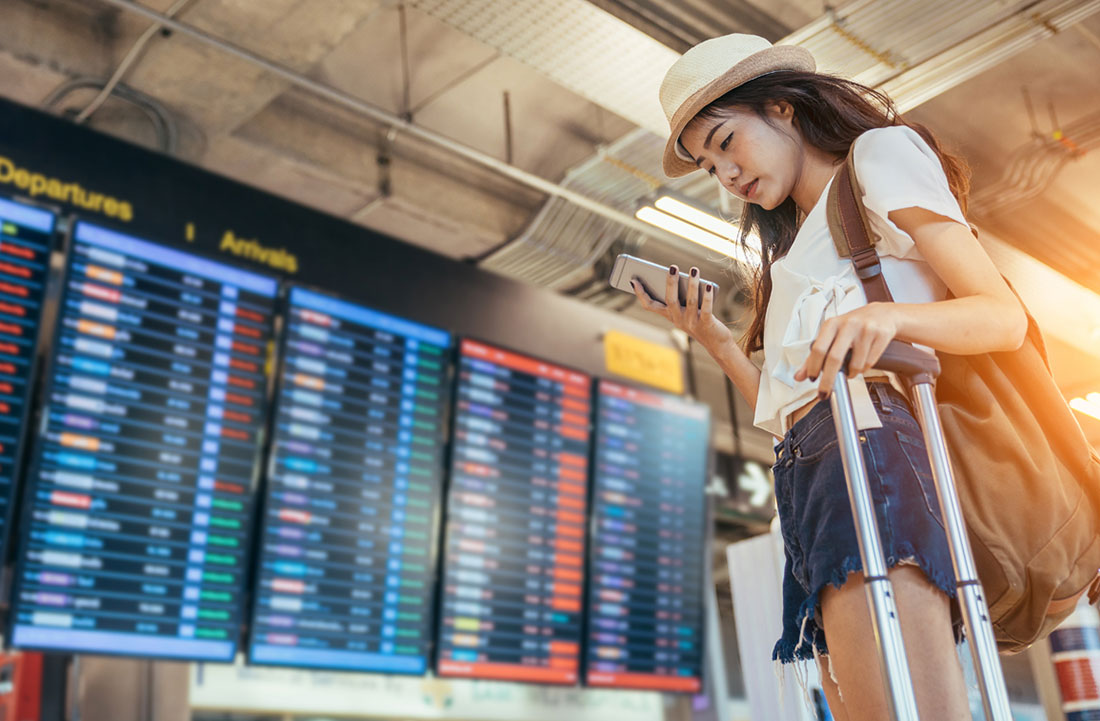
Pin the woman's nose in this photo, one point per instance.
(728, 174)
(729, 182)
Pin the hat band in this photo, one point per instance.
(682, 153)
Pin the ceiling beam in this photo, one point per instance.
(385, 117)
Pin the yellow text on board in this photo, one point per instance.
(38, 184)
(642, 361)
(252, 249)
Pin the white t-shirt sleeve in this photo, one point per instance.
(897, 169)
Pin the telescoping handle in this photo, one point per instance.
(890, 645)
(899, 357)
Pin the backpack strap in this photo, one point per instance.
(851, 231)
(852, 235)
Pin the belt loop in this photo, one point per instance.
(884, 397)
(786, 447)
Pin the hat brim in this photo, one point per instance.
(769, 60)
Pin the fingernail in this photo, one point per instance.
(694, 272)
(672, 270)
(822, 395)
(813, 378)
(710, 288)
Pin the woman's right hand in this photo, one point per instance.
(698, 322)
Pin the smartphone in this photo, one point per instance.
(652, 277)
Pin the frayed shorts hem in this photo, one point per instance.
(811, 639)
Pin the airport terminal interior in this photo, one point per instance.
(318, 399)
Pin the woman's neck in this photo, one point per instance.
(818, 167)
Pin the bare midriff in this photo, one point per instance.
(799, 414)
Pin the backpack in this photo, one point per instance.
(1028, 480)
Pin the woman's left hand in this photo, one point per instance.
(865, 331)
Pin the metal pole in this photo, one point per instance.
(387, 118)
(507, 127)
(55, 688)
(975, 612)
(880, 597)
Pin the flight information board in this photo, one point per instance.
(511, 605)
(135, 533)
(647, 556)
(351, 517)
(25, 235)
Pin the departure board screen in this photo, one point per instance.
(347, 563)
(25, 235)
(646, 573)
(135, 533)
(513, 577)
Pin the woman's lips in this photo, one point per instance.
(749, 189)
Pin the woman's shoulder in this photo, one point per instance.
(896, 160)
(896, 168)
(894, 142)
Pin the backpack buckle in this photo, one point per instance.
(867, 263)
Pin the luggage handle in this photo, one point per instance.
(914, 365)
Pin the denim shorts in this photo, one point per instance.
(819, 536)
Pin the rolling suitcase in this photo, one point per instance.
(919, 369)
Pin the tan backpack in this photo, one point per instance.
(1028, 480)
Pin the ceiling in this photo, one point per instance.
(561, 91)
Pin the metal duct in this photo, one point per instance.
(563, 242)
(1034, 166)
(915, 51)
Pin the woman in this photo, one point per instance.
(774, 132)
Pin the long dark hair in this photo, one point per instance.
(830, 113)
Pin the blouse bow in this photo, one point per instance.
(821, 299)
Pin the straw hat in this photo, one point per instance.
(708, 71)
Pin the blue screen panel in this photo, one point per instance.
(647, 556)
(513, 556)
(346, 572)
(25, 235)
(136, 519)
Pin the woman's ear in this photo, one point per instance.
(781, 110)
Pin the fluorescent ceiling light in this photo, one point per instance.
(691, 214)
(1089, 407)
(706, 220)
(697, 225)
(684, 229)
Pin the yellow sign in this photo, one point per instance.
(642, 361)
(252, 249)
(36, 184)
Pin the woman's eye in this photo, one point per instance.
(726, 143)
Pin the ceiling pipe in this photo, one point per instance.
(383, 116)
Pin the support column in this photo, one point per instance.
(124, 689)
(1075, 654)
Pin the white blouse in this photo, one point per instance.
(896, 169)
